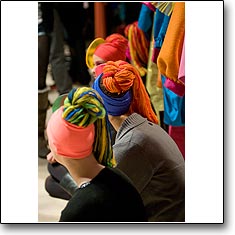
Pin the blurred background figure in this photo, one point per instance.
(58, 65)
(59, 24)
(73, 17)
(44, 29)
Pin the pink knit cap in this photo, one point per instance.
(70, 140)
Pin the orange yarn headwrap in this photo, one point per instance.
(121, 76)
(139, 47)
(114, 48)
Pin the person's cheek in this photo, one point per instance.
(99, 69)
(93, 72)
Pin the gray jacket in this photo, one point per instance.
(152, 160)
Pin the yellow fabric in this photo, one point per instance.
(164, 7)
(90, 51)
(153, 85)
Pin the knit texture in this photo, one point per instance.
(115, 106)
(84, 107)
(170, 54)
(138, 47)
(152, 160)
(114, 48)
(119, 77)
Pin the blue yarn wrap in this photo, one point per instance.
(115, 106)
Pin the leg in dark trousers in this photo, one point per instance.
(43, 57)
(44, 29)
(57, 58)
(60, 184)
(72, 15)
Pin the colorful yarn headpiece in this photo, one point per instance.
(80, 127)
(115, 106)
(120, 77)
(138, 46)
(113, 48)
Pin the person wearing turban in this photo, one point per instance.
(143, 150)
(113, 48)
(79, 140)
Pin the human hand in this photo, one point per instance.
(50, 158)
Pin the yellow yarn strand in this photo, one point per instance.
(83, 107)
(164, 7)
(133, 51)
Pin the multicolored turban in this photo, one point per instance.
(123, 90)
(80, 127)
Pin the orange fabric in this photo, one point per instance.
(159, 80)
(139, 47)
(100, 21)
(121, 76)
(70, 140)
(170, 54)
(113, 49)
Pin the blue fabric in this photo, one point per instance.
(161, 35)
(158, 19)
(174, 107)
(114, 106)
(161, 22)
(145, 18)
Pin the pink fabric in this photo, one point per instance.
(178, 135)
(181, 75)
(69, 140)
(150, 6)
(177, 88)
(99, 69)
(155, 54)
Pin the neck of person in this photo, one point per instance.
(117, 121)
(83, 170)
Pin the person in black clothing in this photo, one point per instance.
(79, 140)
(71, 16)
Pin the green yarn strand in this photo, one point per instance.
(83, 107)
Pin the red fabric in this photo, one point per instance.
(113, 49)
(178, 135)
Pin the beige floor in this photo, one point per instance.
(49, 208)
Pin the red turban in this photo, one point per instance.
(113, 49)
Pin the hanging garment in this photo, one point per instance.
(145, 19)
(178, 87)
(154, 83)
(153, 78)
(174, 106)
(181, 75)
(170, 54)
(161, 21)
(138, 47)
(178, 135)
